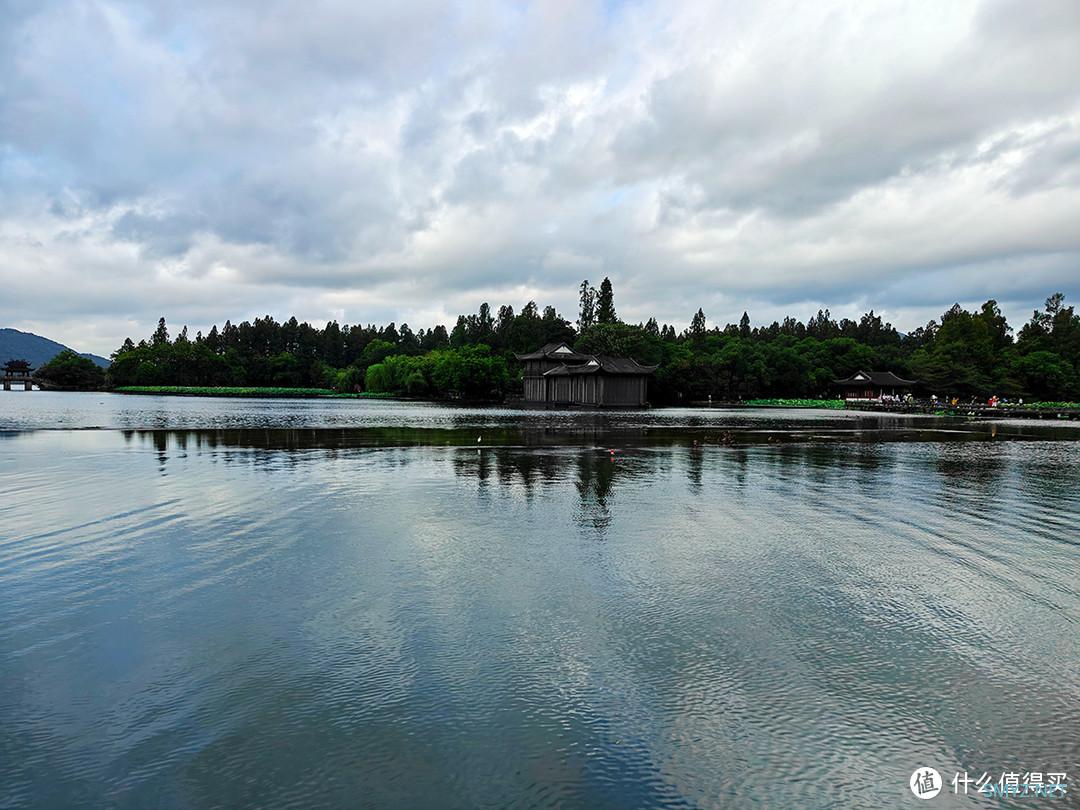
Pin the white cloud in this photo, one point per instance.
(407, 161)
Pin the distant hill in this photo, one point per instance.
(16, 345)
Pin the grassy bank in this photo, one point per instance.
(1044, 406)
(242, 391)
(835, 404)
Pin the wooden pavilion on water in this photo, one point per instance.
(557, 375)
(18, 371)
(865, 386)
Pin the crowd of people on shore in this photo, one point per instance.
(993, 401)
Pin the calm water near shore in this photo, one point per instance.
(222, 603)
(422, 423)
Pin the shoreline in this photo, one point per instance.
(1054, 411)
(613, 444)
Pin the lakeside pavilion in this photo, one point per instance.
(557, 375)
(873, 385)
(18, 371)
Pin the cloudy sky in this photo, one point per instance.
(405, 161)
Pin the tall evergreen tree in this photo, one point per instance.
(605, 303)
(504, 326)
(996, 325)
(587, 313)
(408, 342)
(438, 337)
(161, 334)
(460, 334)
(697, 325)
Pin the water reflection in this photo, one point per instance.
(596, 476)
(529, 434)
(532, 463)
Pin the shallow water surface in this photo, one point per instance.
(386, 422)
(236, 618)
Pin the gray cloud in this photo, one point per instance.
(406, 161)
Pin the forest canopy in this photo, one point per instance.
(963, 353)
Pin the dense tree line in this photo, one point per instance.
(967, 354)
(472, 360)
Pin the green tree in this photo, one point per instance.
(961, 358)
(1044, 375)
(605, 303)
(621, 340)
(71, 370)
(376, 352)
(556, 329)
(997, 328)
(377, 379)
(161, 334)
(697, 326)
(587, 313)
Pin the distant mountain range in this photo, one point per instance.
(16, 345)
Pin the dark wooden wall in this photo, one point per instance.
(588, 389)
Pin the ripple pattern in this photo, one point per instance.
(188, 624)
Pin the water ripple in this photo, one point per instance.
(316, 623)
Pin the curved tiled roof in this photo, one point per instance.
(554, 351)
(624, 365)
(579, 363)
(608, 365)
(875, 378)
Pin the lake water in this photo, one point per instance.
(218, 603)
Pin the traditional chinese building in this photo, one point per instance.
(557, 375)
(17, 368)
(873, 385)
(18, 371)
